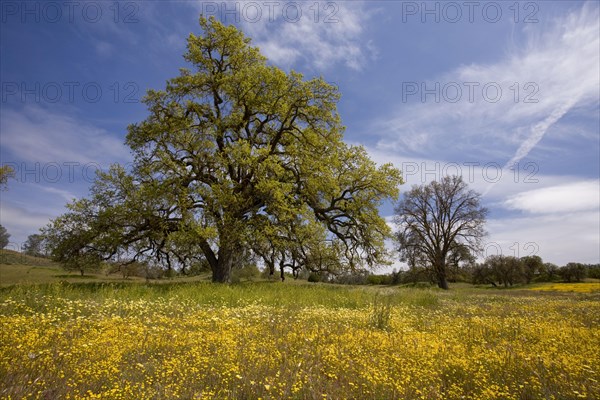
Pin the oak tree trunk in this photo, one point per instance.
(222, 268)
(442, 282)
(440, 274)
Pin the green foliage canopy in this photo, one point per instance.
(34, 245)
(6, 172)
(235, 157)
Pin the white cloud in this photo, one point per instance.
(64, 194)
(321, 34)
(558, 238)
(16, 216)
(28, 206)
(576, 196)
(34, 134)
(20, 223)
(541, 81)
(497, 184)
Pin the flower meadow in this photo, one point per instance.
(295, 341)
(580, 287)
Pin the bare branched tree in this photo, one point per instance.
(437, 220)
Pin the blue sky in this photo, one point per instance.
(504, 93)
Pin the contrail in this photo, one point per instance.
(537, 133)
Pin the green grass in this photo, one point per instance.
(17, 269)
(27, 274)
(20, 269)
(10, 257)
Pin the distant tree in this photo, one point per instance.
(236, 155)
(416, 274)
(67, 238)
(4, 235)
(129, 269)
(35, 246)
(6, 172)
(460, 260)
(246, 272)
(506, 270)
(437, 221)
(481, 273)
(573, 272)
(359, 277)
(396, 276)
(550, 271)
(532, 266)
(374, 279)
(593, 271)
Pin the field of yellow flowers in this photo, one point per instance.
(279, 340)
(579, 287)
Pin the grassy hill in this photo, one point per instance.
(11, 257)
(18, 268)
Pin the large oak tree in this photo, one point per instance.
(438, 221)
(235, 157)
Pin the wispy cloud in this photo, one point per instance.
(64, 194)
(538, 131)
(558, 238)
(507, 183)
(333, 37)
(318, 35)
(104, 49)
(34, 134)
(21, 222)
(571, 197)
(555, 71)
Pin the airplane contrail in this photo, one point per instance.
(537, 133)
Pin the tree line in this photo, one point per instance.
(495, 270)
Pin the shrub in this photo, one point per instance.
(248, 272)
(375, 279)
(417, 274)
